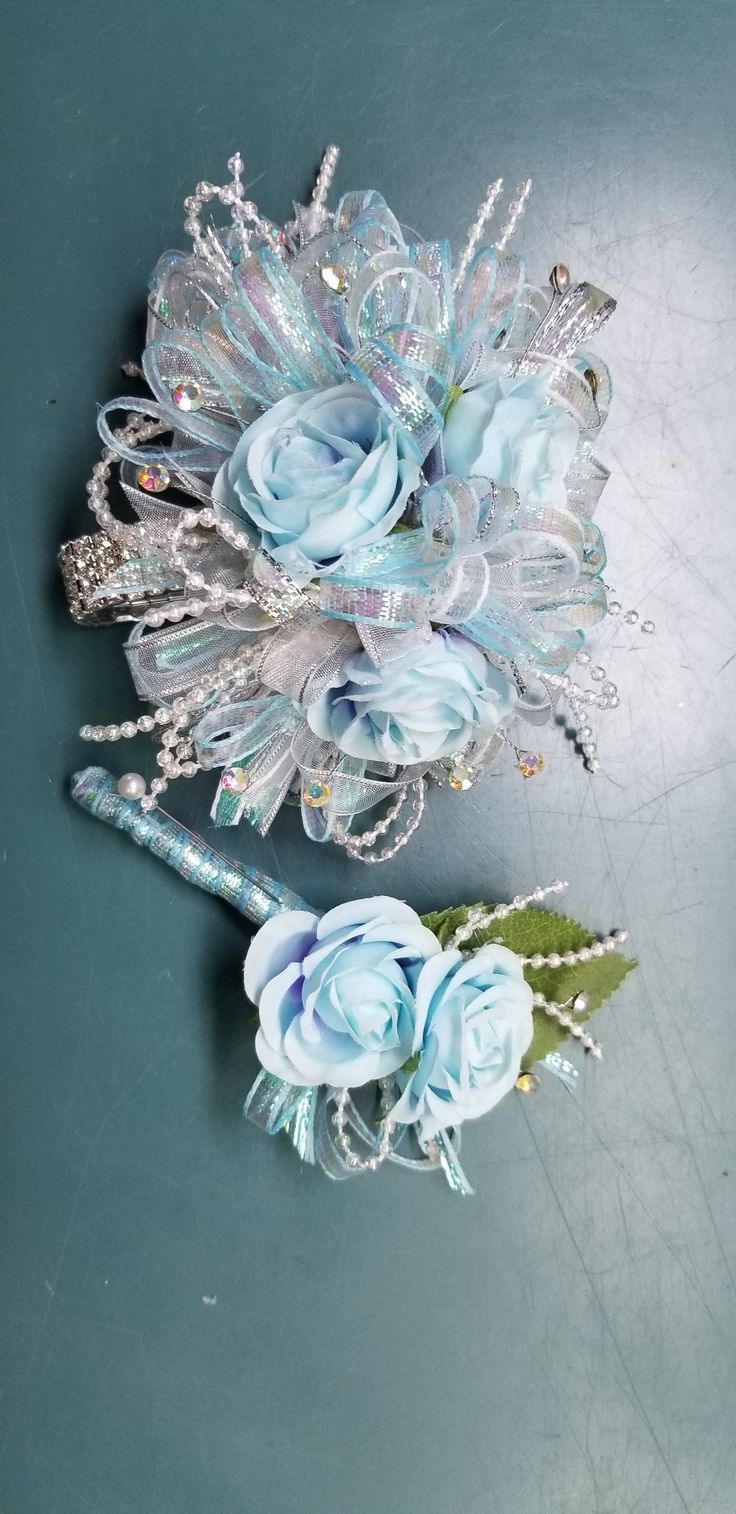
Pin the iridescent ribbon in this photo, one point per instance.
(518, 579)
(251, 339)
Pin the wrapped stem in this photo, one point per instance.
(254, 894)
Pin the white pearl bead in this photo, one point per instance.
(131, 786)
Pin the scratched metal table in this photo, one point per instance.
(191, 1323)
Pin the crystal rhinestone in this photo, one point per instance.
(631, 617)
(316, 794)
(530, 763)
(560, 278)
(186, 394)
(334, 277)
(648, 627)
(235, 780)
(460, 778)
(153, 478)
(527, 1082)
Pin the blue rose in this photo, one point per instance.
(505, 430)
(321, 473)
(419, 707)
(473, 1025)
(335, 995)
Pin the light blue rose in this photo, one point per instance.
(320, 474)
(419, 707)
(473, 1025)
(335, 994)
(506, 431)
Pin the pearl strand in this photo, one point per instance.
(560, 1013)
(572, 958)
(205, 247)
(342, 1139)
(325, 176)
(631, 617)
(515, 213)
(344, 838)
(137, 430)
(475, 232)
(355, 845)
(174, 719)
(479, 918)
(140, 539)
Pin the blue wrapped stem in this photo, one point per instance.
(253, 894)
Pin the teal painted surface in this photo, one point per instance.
(564, 1342)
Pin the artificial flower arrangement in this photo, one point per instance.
(364, 554)
(381, 1033)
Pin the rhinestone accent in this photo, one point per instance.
(187, 395)
(560, 278)
(235, 780)
(154, 478)
(460, 778)
(333, 277)
(530, 763)
(315, 795)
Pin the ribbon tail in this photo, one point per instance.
(271, 1103)
(300, 1127)
(439, 1148)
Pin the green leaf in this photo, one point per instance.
(411, 1064)
(527, 931)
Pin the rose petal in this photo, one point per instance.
(284, 938)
